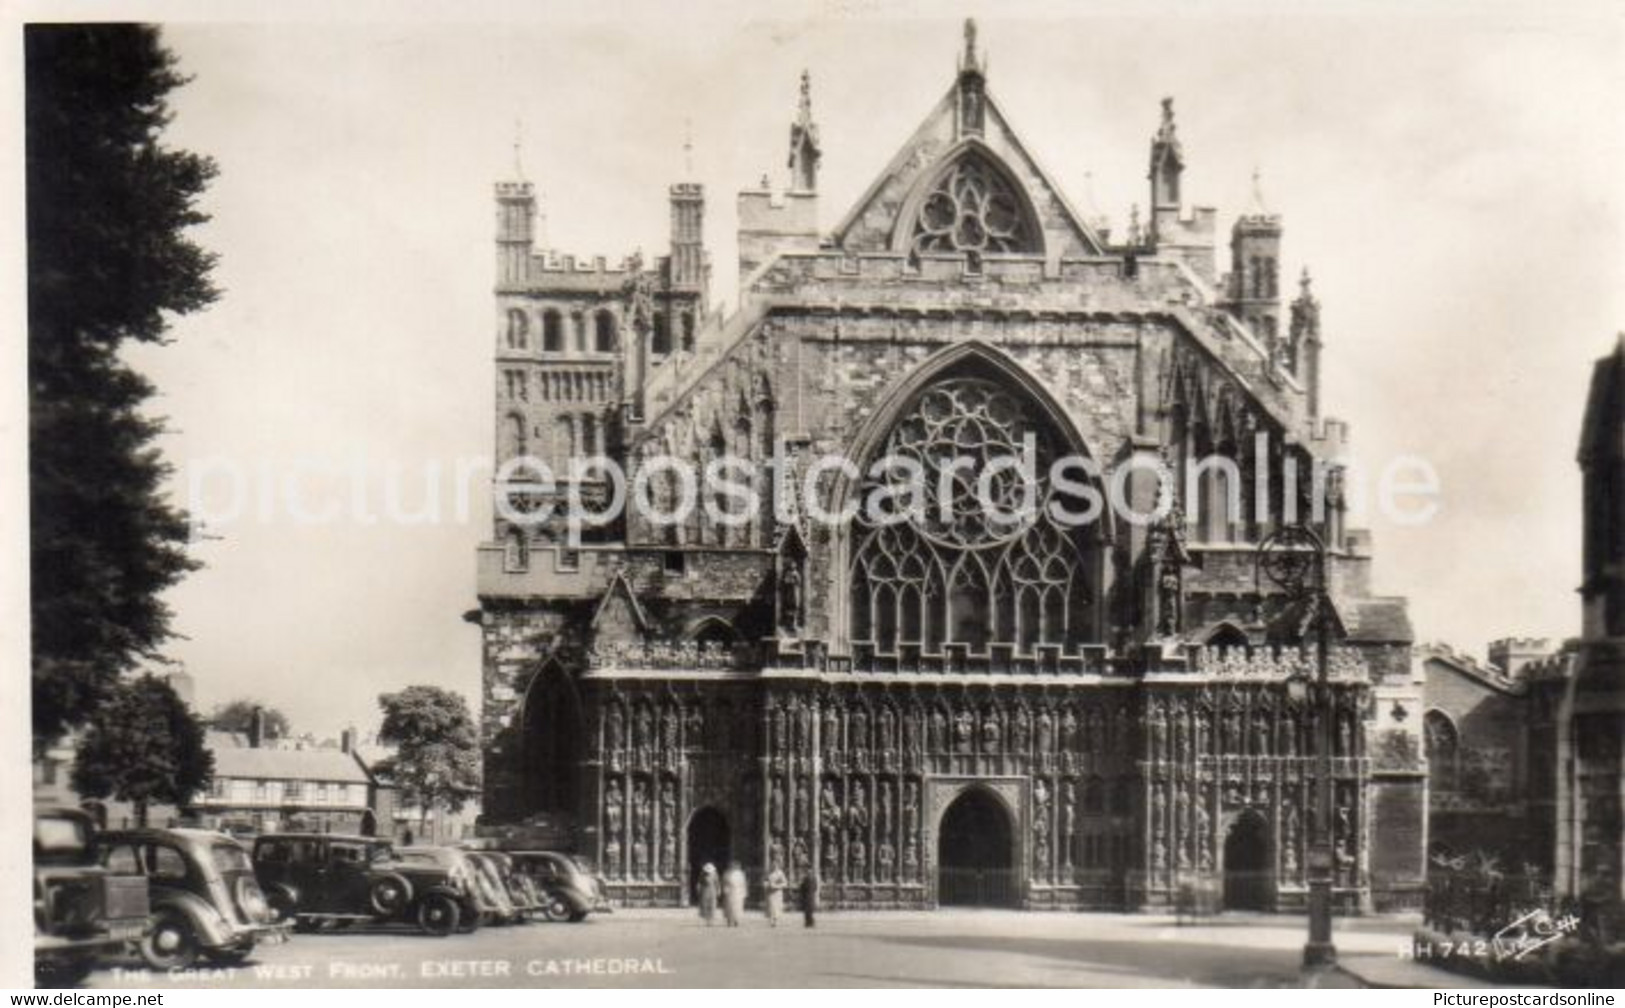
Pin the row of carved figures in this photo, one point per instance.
(947, 727)
(641, 826)
(1176, 728)
(1255, 723)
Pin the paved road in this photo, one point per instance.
(656, 948)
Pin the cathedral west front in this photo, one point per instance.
(950, 708)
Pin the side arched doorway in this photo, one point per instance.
(1247, 881)
(976, 853)
(708, 844)
(553, 743)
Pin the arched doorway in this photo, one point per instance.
(707, 844)
(976, 853)
(1247, 882)
(553, 743)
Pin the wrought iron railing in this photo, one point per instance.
(978, 887)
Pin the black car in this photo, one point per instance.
(205, 899)
(82, 910)
(323, 880)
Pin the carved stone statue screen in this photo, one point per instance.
(953, 571)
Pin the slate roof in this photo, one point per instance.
(233, 757)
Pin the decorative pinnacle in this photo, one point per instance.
(1259, 208)
(1304, 293)
(969, 61)
(688, 147)
(1166, 130)
(806, 96)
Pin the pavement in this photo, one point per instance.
(943, 948)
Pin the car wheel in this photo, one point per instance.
(557, 908)
(437, 915)
(469, 920)
(171, 944)
(390, 894)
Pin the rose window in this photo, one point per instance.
(973, 210)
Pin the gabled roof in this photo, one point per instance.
(619, 595)
(233, 758)
(873, 223)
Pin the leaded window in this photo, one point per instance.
(981, 559)
(973, 210)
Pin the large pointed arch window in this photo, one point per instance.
(982, 560)
(974, 209)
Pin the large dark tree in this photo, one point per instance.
(144, 746)
(436, 764)
(108, 262)
(238, 716)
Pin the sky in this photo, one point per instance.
(1450, 175)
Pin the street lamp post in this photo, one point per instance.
(1294, 558)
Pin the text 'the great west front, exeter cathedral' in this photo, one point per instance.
(947, 708)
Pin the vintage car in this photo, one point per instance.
(82, 911)
(204, 897)
(495, 899)
(525, 892)
(513, 904)
(571, 890)
(323, 881)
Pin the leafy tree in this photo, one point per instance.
(436, 761)
(144, 746)
(108, 262)
(238, 716)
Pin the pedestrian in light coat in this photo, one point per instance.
(733, 894)
(776, 884)
(708, 894)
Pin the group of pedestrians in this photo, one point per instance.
(729, 891)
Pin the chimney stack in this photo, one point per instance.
(347, 741)
(256, 728)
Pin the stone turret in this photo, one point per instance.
(1174, 232)
(773, 221)
(1255, 256)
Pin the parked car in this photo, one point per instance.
(515, 902)
(82, 911)
(572, 890)
(476, 908)
(495, 899)
(526, 894)
(204, 897)
(322, 881)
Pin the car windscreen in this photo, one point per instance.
(230, 858)
(59, 835)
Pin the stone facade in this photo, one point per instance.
(1489, 734)
(1591, 728)
(1115, 704)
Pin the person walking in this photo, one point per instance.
(708, 894)
(809, 898)
(733, 894)
(776, 884)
